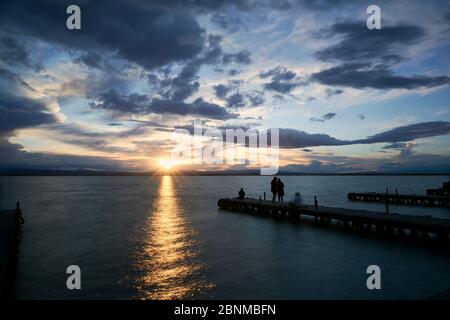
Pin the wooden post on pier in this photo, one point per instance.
(10, 230)
(404, 199)
(315, 202)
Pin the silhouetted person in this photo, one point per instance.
(280, 190)
(273, 188)
(241, 194)
(297, 199)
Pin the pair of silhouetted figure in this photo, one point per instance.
(277, 188)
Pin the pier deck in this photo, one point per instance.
(406, 199)
(10, 230)
(391, 223)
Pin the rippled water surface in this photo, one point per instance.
(164, 238)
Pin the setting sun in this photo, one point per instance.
(166, 164)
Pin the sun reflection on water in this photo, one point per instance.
(168, 263)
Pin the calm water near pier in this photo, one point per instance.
(164, 238)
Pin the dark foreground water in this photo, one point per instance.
(164, 238)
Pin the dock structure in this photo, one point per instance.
(404, 226)
(442, 191)
(11, 222)
(405, 199)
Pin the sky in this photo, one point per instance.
(109, 96)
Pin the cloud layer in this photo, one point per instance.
(366, 58)
(291, 138)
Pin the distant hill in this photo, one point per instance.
(83, 172)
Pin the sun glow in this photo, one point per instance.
(167, 164)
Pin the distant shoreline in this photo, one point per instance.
(52, 173)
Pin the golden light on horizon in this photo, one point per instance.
(167, 164)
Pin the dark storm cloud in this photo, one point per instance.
(199, 107)
(367, 57)
(17, 112)
(212, 51)
(20, 112)
(241, 57)
(360, 76)
(235, 100)
(395, 145)
(113, 101)
(247, 5)
(321, 5)
(11, 76)
(281, 87)
(282, 5)
(282, 80)
(410, 132)
(142, 104)
(185, 84)
(155, 35)
(447, 17)
(147, 35)
(13, 53)
(325, 117)
(227, 21)
(292, 138)
(90, 59)
(233, 72)
(406, 148)
(205, 5)
(278, 74)
(358, 43)
(333, 92)
(222, 90)
(256, 99)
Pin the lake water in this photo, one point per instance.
(164, 238)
